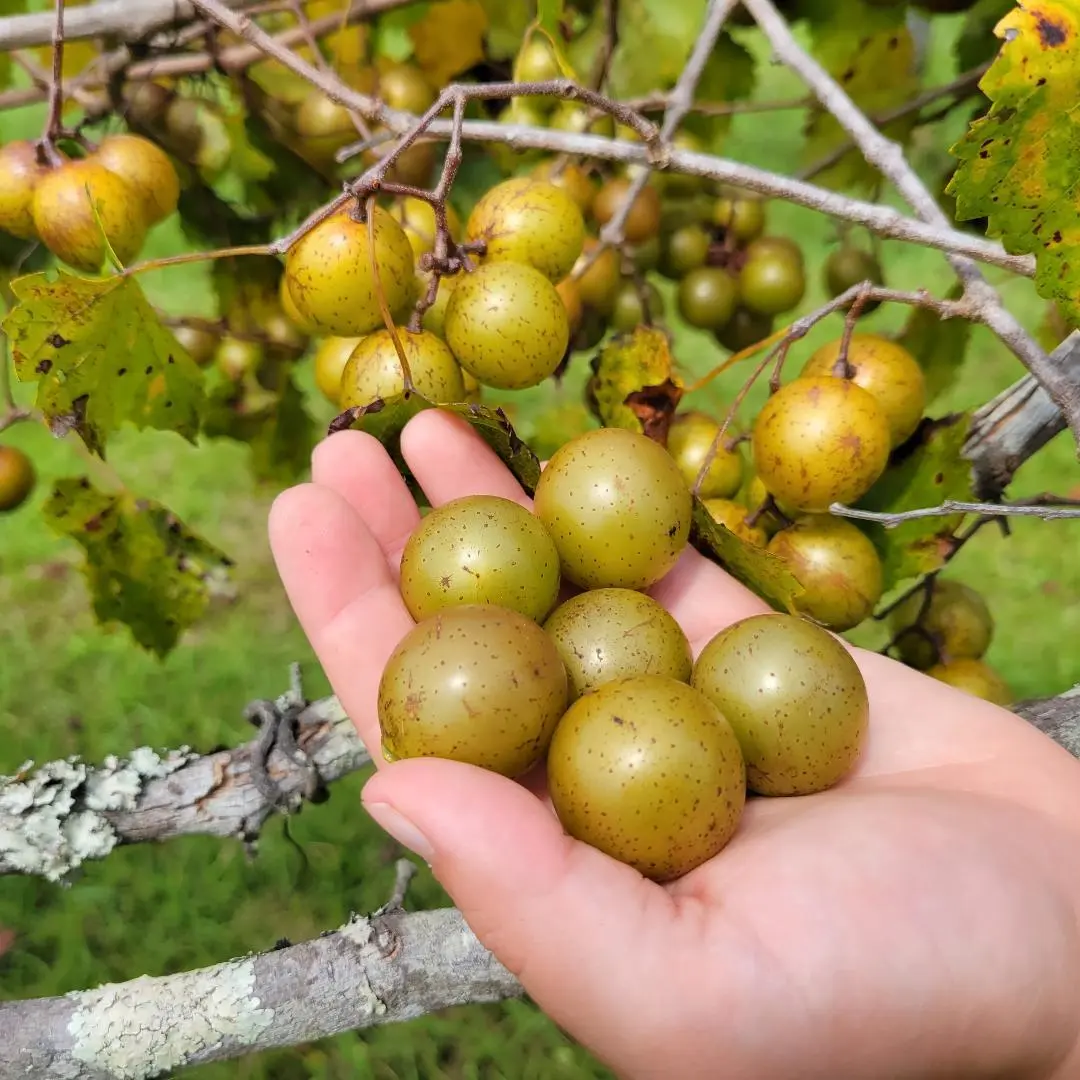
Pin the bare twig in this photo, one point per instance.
(602, 64)
(952, 506)
(889, 159)
(679, 102)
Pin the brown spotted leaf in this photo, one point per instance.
(926, 471)
(634, 383)
(1018, 164)
(144, 567)
(764, 574)
(101, 356)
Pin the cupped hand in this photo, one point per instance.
(921, 919)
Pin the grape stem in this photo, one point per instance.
(54, 127)
(1050, 510)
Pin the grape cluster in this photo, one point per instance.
(649, 755)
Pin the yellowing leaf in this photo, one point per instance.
(634, 384)
(449, 39)
(929, 471)
(765, 574)
(143, 567)
(100, 355)
(1018, 164)
(870, 52)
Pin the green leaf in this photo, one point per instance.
(929, 472)
(243, 286)
(391, 31)
(764, 574)
(385, 419)
(549, 14)
(869, 50)
(100, 355)
(728, 75)
(7, 69)
(1018, 163)
(144, 567)
(938, 344)
(507, 23)
(634, 384)
(976, 43)
(655, 40)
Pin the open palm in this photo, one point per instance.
(921, 919)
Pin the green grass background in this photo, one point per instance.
(68, 687)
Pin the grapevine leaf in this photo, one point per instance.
(449, 39)
(655, 39)
(728, 75)
(100, 355)
(507, 24)
(976, 43)
(494, 427)
(347, 48)
(243, 286)
(869, 50)
(392, 38)
(1018, 163)
(385, 419)
(545, 430)
(938, 344)
(273, 423)
(144, 567)
(764, 574)
(634, 383)
(925, 471)
(12, 7)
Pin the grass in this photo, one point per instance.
(68, 687)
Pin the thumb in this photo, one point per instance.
(586, 935)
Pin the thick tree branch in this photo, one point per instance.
(65, 812)
(1016, 424)
(888, 158)
(379, 969)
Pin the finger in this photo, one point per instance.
(343, 593)
(450, 460)
(546, 905)
(704, 598)
(357, 467)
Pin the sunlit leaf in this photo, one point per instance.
(655, 40)
(870, 52)
(765, 574)
(144, 567)
(927, 471)
(507, 23)
(101, 355)
(449, 39)
(1018, 163)
(392, 38)
(634, 384)
(938, 344)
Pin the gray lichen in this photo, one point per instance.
(151, 1026)
(53, 819)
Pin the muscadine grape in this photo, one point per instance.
(573, 179)
(20, 170)
(374, 369)
(682, 250)
(417, 218)
(507, 325)
(599, 285)
(17, 478)
(690, 438)
(643, 221)
(529, 221)
(331, 356)
(820, 440)
(147, 168)
(708, 297)
(629, 311)
(331, 279)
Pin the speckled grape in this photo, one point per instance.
(599, 284)
(886, 371)
(957, 620)
(479, 684)
(818, 441)
(643, 220)
(507, 325)
(330, 359)
(330, 277)
(974, 677)
(608, 634)
(20, 170)
(617, 508)
(794, 696)
(837, 566)
(690, 438)
(529, 221)
(480, 549)
(374, 369)
(648, 771)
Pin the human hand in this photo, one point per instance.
(920, 919)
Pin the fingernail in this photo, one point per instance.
(401, 829)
